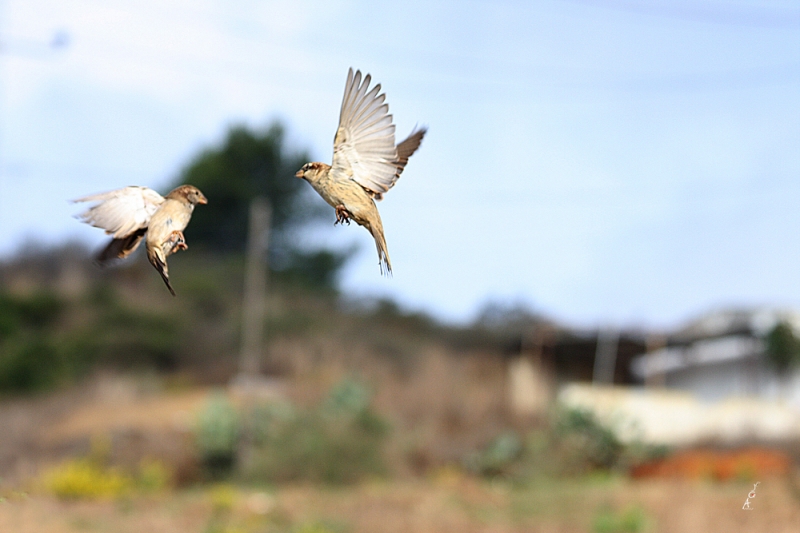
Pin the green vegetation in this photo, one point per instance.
(573, 443)
(783, 348)
(48, 339)
(337, 441)
(122, 319)
(29, 357)
(584, 442)
(498, 457)
(217, 436)
(246, 165)
(632, 519)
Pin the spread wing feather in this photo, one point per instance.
(121, 212)
(363, 149)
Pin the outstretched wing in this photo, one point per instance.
(121, 212)
(363, 149)
(404, 150)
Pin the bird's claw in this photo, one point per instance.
(342, 215)
(178, 241)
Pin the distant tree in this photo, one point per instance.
(248, 164)
(783, 348)
(498, 315)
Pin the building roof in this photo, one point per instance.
(702, 352)
(717, 337)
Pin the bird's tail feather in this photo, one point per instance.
(160, 263)
(383, 252)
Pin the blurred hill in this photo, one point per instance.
(56, 306)
(64, 320)
(399, 407)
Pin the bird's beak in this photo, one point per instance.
(299, 174)
(202, 200)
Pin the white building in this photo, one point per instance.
(721, 356)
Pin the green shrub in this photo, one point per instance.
(10, 322)
(40, 309)
(28, 363)
(217, 436)
(339, 441)
(348, 398)
(132, 337)
(630, 520)
(585, 442)
(29, 360)
(783, 348)
(573, 443)
(499, 457)
(46, 340)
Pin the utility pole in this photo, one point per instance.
(249, 384)
(605, 357)
(255, 288)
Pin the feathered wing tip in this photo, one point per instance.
(408, 146)
(97, 197)
(120, 248)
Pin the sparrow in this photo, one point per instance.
(134, 213)
(366, 162)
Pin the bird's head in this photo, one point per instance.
(311, 171)
(188, 193)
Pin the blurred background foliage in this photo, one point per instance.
(373, 389)
(248, 164)
(61, 317)
(63, 320)
(783, 348)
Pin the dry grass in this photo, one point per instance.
(449, 503)
(441, 404)
(449, 404)
(140, 424)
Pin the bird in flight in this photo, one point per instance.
(134, 213)
(366, 162)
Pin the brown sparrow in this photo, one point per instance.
(366, 162)
(133, 213)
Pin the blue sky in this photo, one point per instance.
(604, 162)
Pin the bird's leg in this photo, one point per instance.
(342, 215)
(178, 241)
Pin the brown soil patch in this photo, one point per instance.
(750, 463)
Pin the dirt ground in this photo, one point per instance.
(451, 505)
(42, 431)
